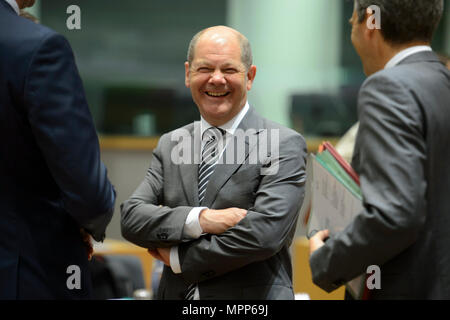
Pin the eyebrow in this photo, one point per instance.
(229, 65)
(202, 62)
(206, 63)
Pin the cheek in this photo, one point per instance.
(197, 82)
(355, 41)
(240, 85)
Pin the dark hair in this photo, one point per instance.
(246, 50)
(404, 21)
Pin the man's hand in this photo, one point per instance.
(219, 221)
(162, 254)
(87, 240)
(318, 240)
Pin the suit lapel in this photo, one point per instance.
(223, 172)
(189, 171)
(7, 6)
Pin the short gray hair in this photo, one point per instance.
(246, 50)
(404, 21)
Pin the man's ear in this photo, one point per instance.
(251, 74)
(369, 30)
(186, 74)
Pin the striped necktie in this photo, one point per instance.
(212, 141)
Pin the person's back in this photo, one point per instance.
(52, 182)
(401, 155)
(429, 102)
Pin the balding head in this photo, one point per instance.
(219, 73)
(222, 33)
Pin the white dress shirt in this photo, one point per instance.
(14, 5)
(192, 228)
(404, 54)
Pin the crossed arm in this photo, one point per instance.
(212, 222)
(232, 237)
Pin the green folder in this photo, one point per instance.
(330, 163)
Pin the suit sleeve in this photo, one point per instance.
(392, 153)
(64, 131)
(265, 230)
(146, 223)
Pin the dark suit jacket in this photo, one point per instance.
(52, 181)
(248, 261)
(402, 156)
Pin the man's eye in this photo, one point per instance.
(203, 69)
(230, 70)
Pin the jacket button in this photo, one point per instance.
(162, 236)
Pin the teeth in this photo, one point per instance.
(216, 94)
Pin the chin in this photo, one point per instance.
(216, 116)
(217, 110)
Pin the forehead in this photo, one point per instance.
(216, 46)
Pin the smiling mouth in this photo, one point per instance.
(217, 94)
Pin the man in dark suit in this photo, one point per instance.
(402, 156)
(52, 183)
(218, 205)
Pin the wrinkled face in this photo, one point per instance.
(217, 77)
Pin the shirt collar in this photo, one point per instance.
(14, 5)
(231, 125)
(399, 57)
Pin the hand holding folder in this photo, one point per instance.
(333, 196)
(332, 200)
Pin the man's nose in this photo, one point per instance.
(217, 78)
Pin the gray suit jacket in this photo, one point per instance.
(402, 155)
(248, 261)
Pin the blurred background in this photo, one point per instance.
(131, 56)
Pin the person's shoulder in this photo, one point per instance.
(28, 37)
(384, 82)
(177, 134)
(284, 130)
(404, 75)
(27, 30)
(381, 77)
(188, 128)
(287, 137)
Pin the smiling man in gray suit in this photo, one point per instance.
(220, 201)
(402, 156)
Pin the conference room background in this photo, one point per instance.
(131, 58)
